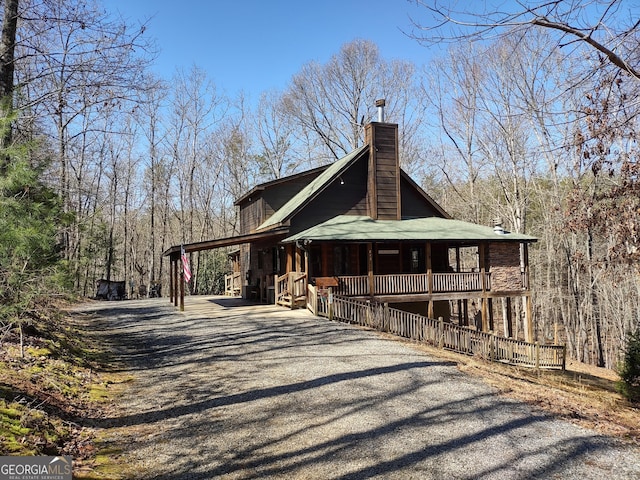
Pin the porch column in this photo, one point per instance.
(525, 261)
(305, 256)
(176, 279)
(427, 254)
(507, 317)
(290, 258)
(372, 284)
(298, 263)
(528, 320)
(483, 281)
(181, 289)
(171, 287)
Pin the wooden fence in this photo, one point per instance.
(436, 332)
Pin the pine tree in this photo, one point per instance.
(629, 368)
(30, 218)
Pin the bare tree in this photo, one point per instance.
(150, 119)
(74, 61)
(333, 101)
(274, 133)
(608, 27)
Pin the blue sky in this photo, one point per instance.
(258, 45)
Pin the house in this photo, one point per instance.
(362, 227)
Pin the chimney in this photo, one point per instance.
(383, 186)
(380, 106)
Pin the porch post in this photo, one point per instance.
(170, 279)
(305, 254)
(484, 312)
(290, 258)
(182, 291)
(298, 264)
(525, 276)
(429, 278)
(528, 328)
(175, 283)
(370, 269)
(507, 317)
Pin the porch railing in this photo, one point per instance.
(233, 284)
(439, 333)
(358, 285)
(290, 287)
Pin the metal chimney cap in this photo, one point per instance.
(380, 104)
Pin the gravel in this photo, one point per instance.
(237, 391)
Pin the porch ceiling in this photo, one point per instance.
(355, 228)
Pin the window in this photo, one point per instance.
(416, 260)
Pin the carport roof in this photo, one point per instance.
(275, 233)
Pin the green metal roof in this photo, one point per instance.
(310, 191)
(354, 228)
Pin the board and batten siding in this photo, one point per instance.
(384, 171)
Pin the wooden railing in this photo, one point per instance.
(312, 299)
(439, 333)
(358, 285)
(233, 284)
(290, 287)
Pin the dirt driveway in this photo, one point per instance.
(234, 391)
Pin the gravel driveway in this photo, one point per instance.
(235, 391)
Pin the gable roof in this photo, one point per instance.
(266, 185)
(359, 228)
(308, 193)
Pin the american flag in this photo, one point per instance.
(185, 266)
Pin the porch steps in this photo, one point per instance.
(286, 300)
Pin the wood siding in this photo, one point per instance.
(276, 196)
(251, 215)
(346, 195)
(413, 204)
(383, 196)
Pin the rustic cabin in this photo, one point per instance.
(364, 229)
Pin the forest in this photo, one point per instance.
(530, 116)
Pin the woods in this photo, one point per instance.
(535, 125)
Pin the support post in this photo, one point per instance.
(528, 314)
(171, 286)
(176, 278)
(182, 291)
(429, 268)
(372, 284)
(483, 281)
(465, 313)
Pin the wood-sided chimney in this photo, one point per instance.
(383, 186)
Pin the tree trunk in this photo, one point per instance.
(7, 49)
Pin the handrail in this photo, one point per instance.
(404, 283)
